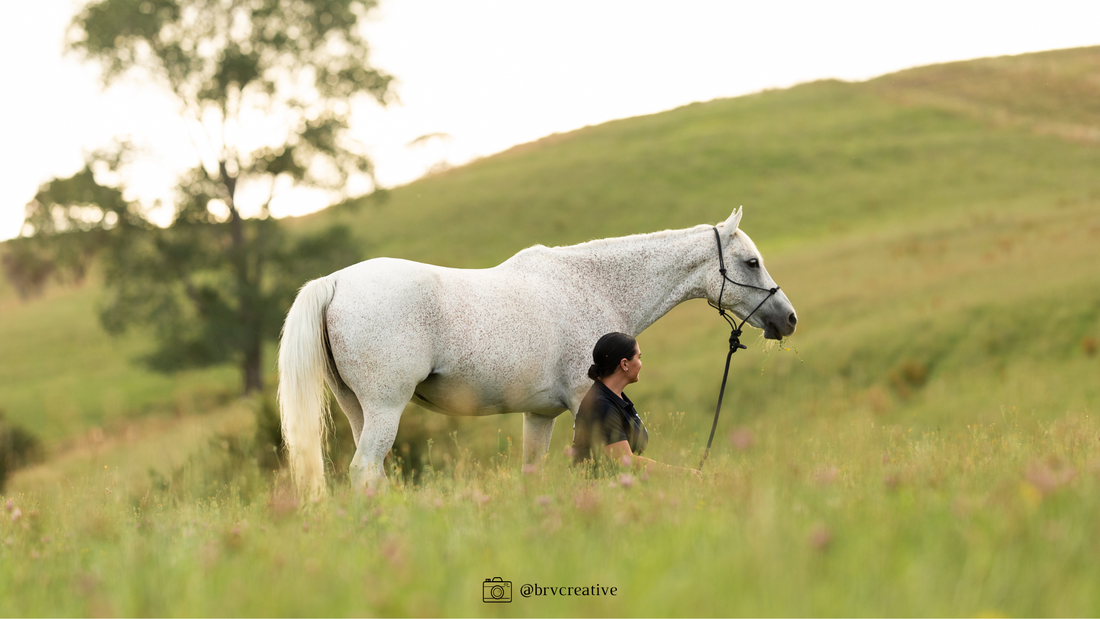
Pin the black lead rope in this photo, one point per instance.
(735, 334)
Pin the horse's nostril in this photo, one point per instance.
(792, 319)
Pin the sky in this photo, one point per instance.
(490, 74)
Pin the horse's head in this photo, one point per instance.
(745, 266)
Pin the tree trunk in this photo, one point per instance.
(251, 366)
(246, 289)
(250, 319)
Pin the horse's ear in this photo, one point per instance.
(730, 225)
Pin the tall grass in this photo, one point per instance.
(839, 514)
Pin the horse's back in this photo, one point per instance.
(383, 301)
(475, 334)
(392, 286)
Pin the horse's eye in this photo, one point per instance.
(753, 263)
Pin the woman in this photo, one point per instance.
(606, 417)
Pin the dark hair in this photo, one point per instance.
(609, 351)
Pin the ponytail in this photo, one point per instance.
(609, 351)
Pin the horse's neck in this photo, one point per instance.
(643, 276)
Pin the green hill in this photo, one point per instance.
(807, 162)
(928, 225)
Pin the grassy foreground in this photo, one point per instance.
(834, 516)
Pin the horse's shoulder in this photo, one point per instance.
(534, 256)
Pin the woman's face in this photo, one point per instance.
(632, 366)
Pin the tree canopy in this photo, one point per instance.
(266, 88)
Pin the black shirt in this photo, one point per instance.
(603, 419)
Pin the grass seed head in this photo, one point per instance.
(586, 501)
(742, 438)
(820, 537)
(1089, 345)
(282, 502)
(1047, 478)
(826, 475)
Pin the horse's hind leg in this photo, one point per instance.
(537, 430)
(349, 403)
(379, 432)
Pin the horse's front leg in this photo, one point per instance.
(537, 431)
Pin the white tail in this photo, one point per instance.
(302, 398)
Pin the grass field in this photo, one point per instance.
(928, 443)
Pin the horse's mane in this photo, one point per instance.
(596, 243)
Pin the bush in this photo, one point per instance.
(268, 443)
(18, 448)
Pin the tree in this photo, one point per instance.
(214, 284)
(70, 220)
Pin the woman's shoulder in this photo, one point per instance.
(597, 397)
(601, 399)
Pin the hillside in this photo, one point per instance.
(928, 225)
(809, 163)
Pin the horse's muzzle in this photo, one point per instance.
(777, 329)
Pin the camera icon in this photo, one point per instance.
(496, 590)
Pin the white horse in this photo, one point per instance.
(516, 337)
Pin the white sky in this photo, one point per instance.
(495, 73)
